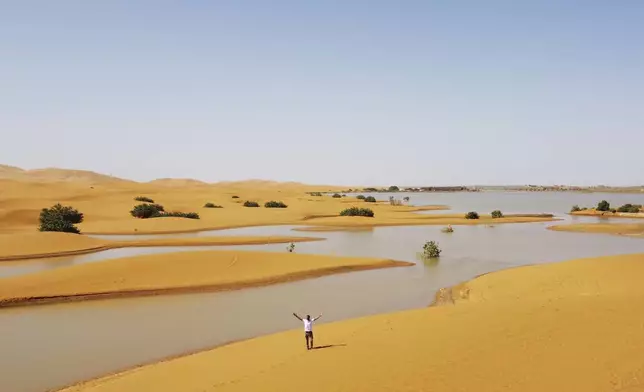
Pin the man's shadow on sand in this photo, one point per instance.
(328, 346)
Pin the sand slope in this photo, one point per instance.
(571, 326)
(175, 272)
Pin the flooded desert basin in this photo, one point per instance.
(47, 347)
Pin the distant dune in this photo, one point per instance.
(55, 175)
(177, 182)
(89, 177)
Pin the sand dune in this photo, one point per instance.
(571, 326)
(177, 182)
(175, 272)
(55, 174)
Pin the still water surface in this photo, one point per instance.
(45, 347)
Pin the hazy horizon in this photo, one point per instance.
(339, 93)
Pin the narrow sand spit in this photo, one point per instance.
(608, 214)
(625, 229)
(50, 244)
(175, 273)
(570, 326)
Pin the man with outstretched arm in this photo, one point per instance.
(308, 329)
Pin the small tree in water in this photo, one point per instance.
(291, 247)
(603, 206)
(431, 250)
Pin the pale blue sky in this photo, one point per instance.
(342, 92)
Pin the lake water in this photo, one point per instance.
(47, 347)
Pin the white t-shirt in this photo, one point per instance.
(308, 325)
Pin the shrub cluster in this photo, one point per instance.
(393, 188)
(472, 215)
(360, 197)
(337, 195)
(370, 199)
(315, 193)
(235, 197)
(632, 208)
(274, 204)
(211, 205)
(60, 218)
(356, 211)
(497, 214)
(431, 249)
(144, 199)
(576, 208)
(251, 204)
(146, 210)
(176, 214)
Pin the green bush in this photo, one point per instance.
(60, 218)
(315, 194)
(337, 195)
(431, 250)
(393, 188)
(370, 199)
(251, 204)
(356, 211)
(211, 205)
(497, 214)
(144, 199)
(472, 215)
(274, 204)
(360, 197)
(603, 206)
(146, 210)
(575, 208)
(632, 208)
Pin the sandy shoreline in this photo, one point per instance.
(531, 324)
(180, 272)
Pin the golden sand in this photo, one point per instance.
(571, 326)
(626, 229)
(175, 272)
(21, 246)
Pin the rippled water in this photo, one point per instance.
(50, 346)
